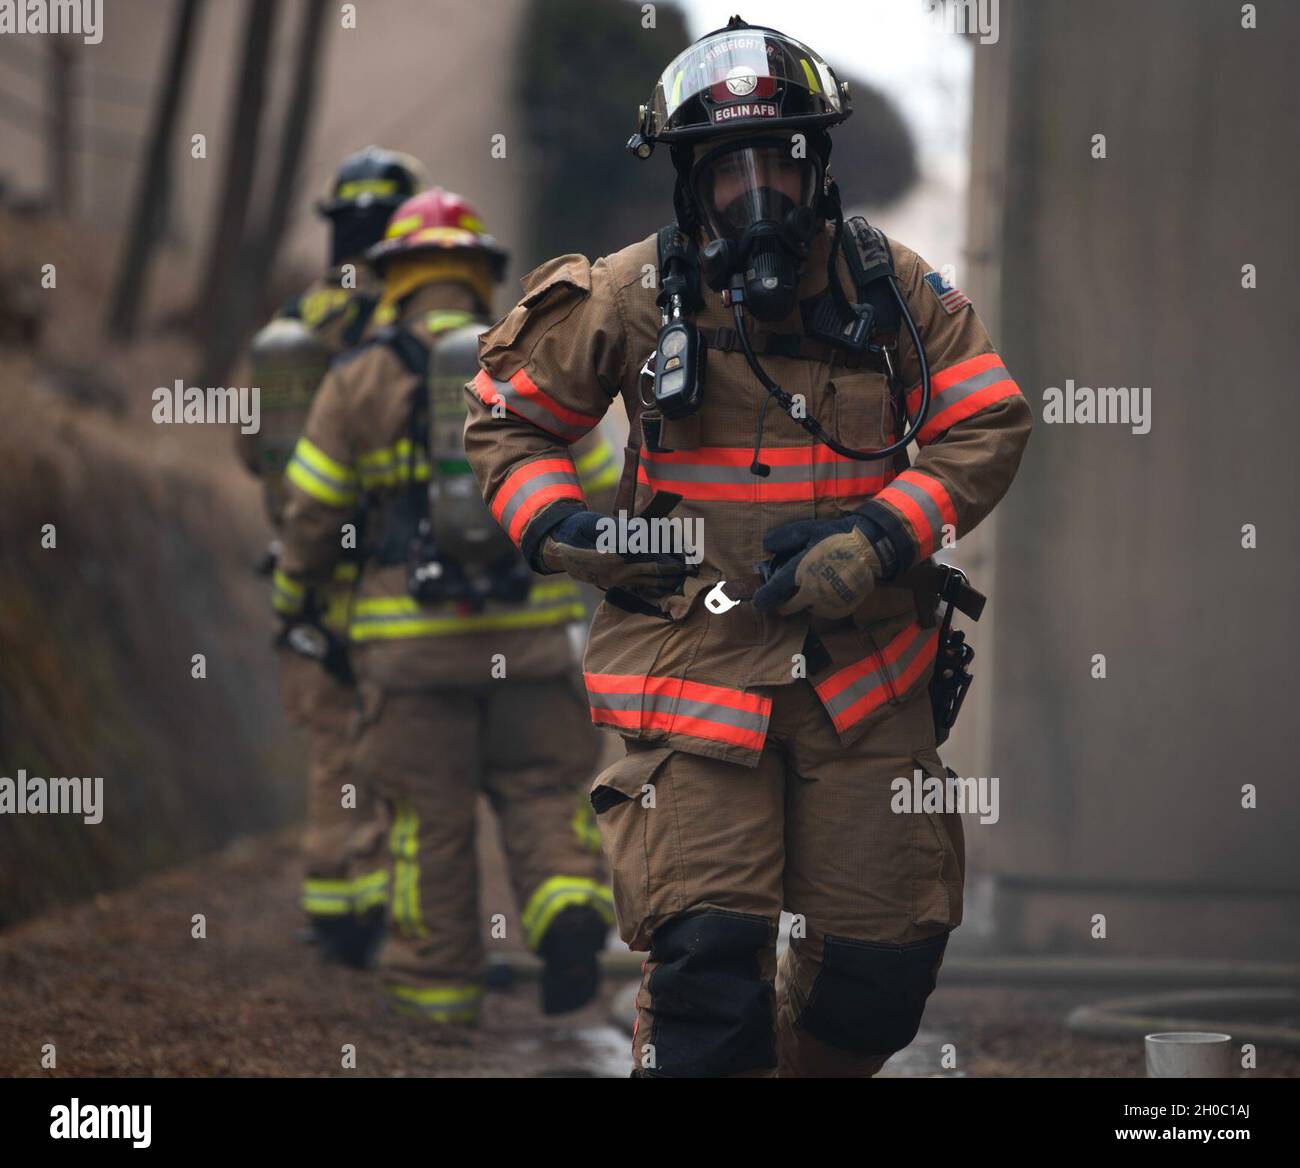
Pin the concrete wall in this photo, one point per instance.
(1123, 796)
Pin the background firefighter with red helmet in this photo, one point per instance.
(342, 893)
(462, 653)
(763, 736)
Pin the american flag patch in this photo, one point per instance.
(951, 297)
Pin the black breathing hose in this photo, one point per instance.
(786, 402)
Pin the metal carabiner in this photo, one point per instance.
(647, 370)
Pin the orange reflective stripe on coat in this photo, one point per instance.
(677, 706)
(531, 487)
(799, 474)
(926, 505)
(520, 395)
(961, 391)
(852, 693)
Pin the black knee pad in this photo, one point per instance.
(713, 1012)
(868, 997)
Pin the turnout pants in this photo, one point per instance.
(530, 747)
(705, 854)
(340, 875)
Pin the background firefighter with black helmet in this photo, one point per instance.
(765, 713)
(462, 654)
(342, 893)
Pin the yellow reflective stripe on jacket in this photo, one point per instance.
(323, 898)
(338, 596)
(315, 307)
(327, 898)
(553, 896)
(287, 595)
(313, 471)
(337, 616)
(598, 469)
(386, 618)
(404, 843)
(387, 466)
(583, 823)
(439, 1004)
(370, 891)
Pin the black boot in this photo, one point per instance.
(569, 951)
(350, 940)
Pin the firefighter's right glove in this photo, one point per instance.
(575, 546)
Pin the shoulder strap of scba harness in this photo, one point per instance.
(366, 306)
(871, 264)
(417, 356)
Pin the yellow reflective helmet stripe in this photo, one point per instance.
(355, 188)
(403, 226)
(553, 896)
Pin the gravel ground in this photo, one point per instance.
(120, 988)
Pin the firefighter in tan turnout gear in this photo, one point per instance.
(773, 376)
(462, 654)
(343, 891)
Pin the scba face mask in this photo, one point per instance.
(755, 199)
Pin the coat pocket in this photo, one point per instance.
(939, 848)
(551, 291)
(863, 409)
(624, 799)
(905, 651)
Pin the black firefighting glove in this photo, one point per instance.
(827, 565)
(573, 546)
(307, 637)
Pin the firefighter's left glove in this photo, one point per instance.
(577, 545)
(828, 566)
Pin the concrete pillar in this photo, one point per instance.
(1123, 796)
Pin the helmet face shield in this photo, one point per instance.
(743, 77)
(738, 186)
(373, 177)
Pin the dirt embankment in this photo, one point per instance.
(125, 550)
